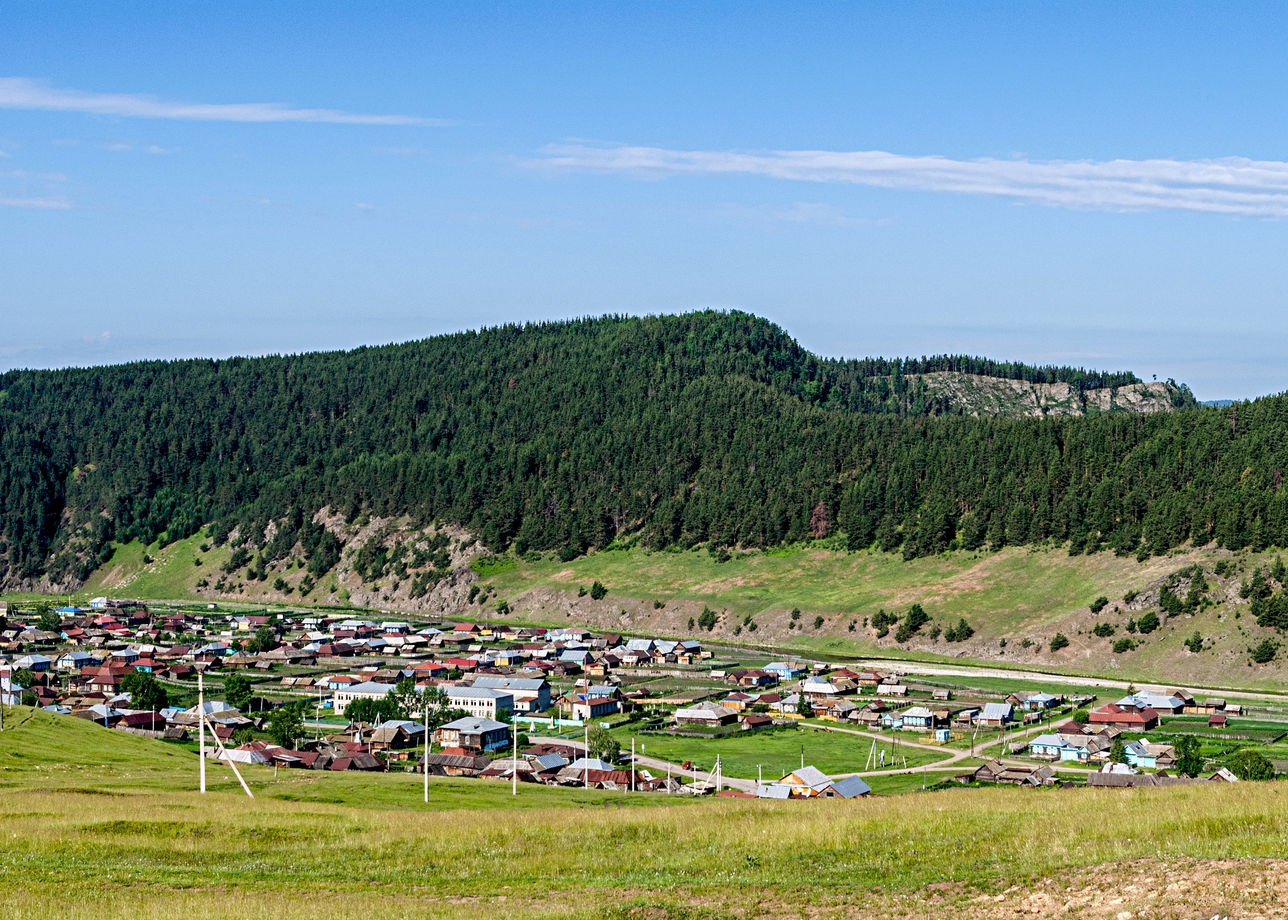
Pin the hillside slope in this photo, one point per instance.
(1014, 602)
(674, 431)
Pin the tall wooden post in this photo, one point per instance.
(201, 729)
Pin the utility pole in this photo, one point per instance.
(585, 771)
(426, 762)
(201, 729)
(514, 764)
(632, 764)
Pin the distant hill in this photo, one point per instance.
(1219, 403)
(705, 428)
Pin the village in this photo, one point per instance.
(344, 691)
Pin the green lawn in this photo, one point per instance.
(102, 825)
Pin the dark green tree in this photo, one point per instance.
(603, 744)
(145, 691)
(237, 691)
(1248, 764)
(1189, 760)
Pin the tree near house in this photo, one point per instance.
(1250, 764)
(265, 640)
(602, 744)
(237, 691)
(371, 711)
(1118, 752)
(804, 707)
(285, 727)
(23, 677)
(144, 690)
(48, 620)
(1188, 759)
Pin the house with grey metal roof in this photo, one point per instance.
(475, 735)
(531, 694)
(996, 714)
(484, 702)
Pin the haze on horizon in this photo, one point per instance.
(1091, 185)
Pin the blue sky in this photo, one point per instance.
(1096, 184)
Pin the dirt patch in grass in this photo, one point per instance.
(1140, 890)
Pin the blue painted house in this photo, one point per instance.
(783, 670)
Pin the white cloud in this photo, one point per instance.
(29, 174)
(36, 204)
(23, 93)
(1234, 185)
(126, 147)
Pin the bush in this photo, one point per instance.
(1264, 651)
(1130, 596)
(1249, 764)
(1123, 645)
(818, 622)
(708, 619)
(1103, 630)
(1148, 623)
(1059, 641)
(1195, 642)
(1099, 604)
(597, 591)
(912, 623)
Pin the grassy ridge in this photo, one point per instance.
(1018, 595)
(148, 847)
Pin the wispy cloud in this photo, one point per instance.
(21, 196)
(36, 204)
(24, 93)
(127, 147)
(1235, 185)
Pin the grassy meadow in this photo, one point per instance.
(97, 824)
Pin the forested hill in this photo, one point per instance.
(706, 427)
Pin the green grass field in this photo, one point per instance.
(1023, 595)
(101, 825)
